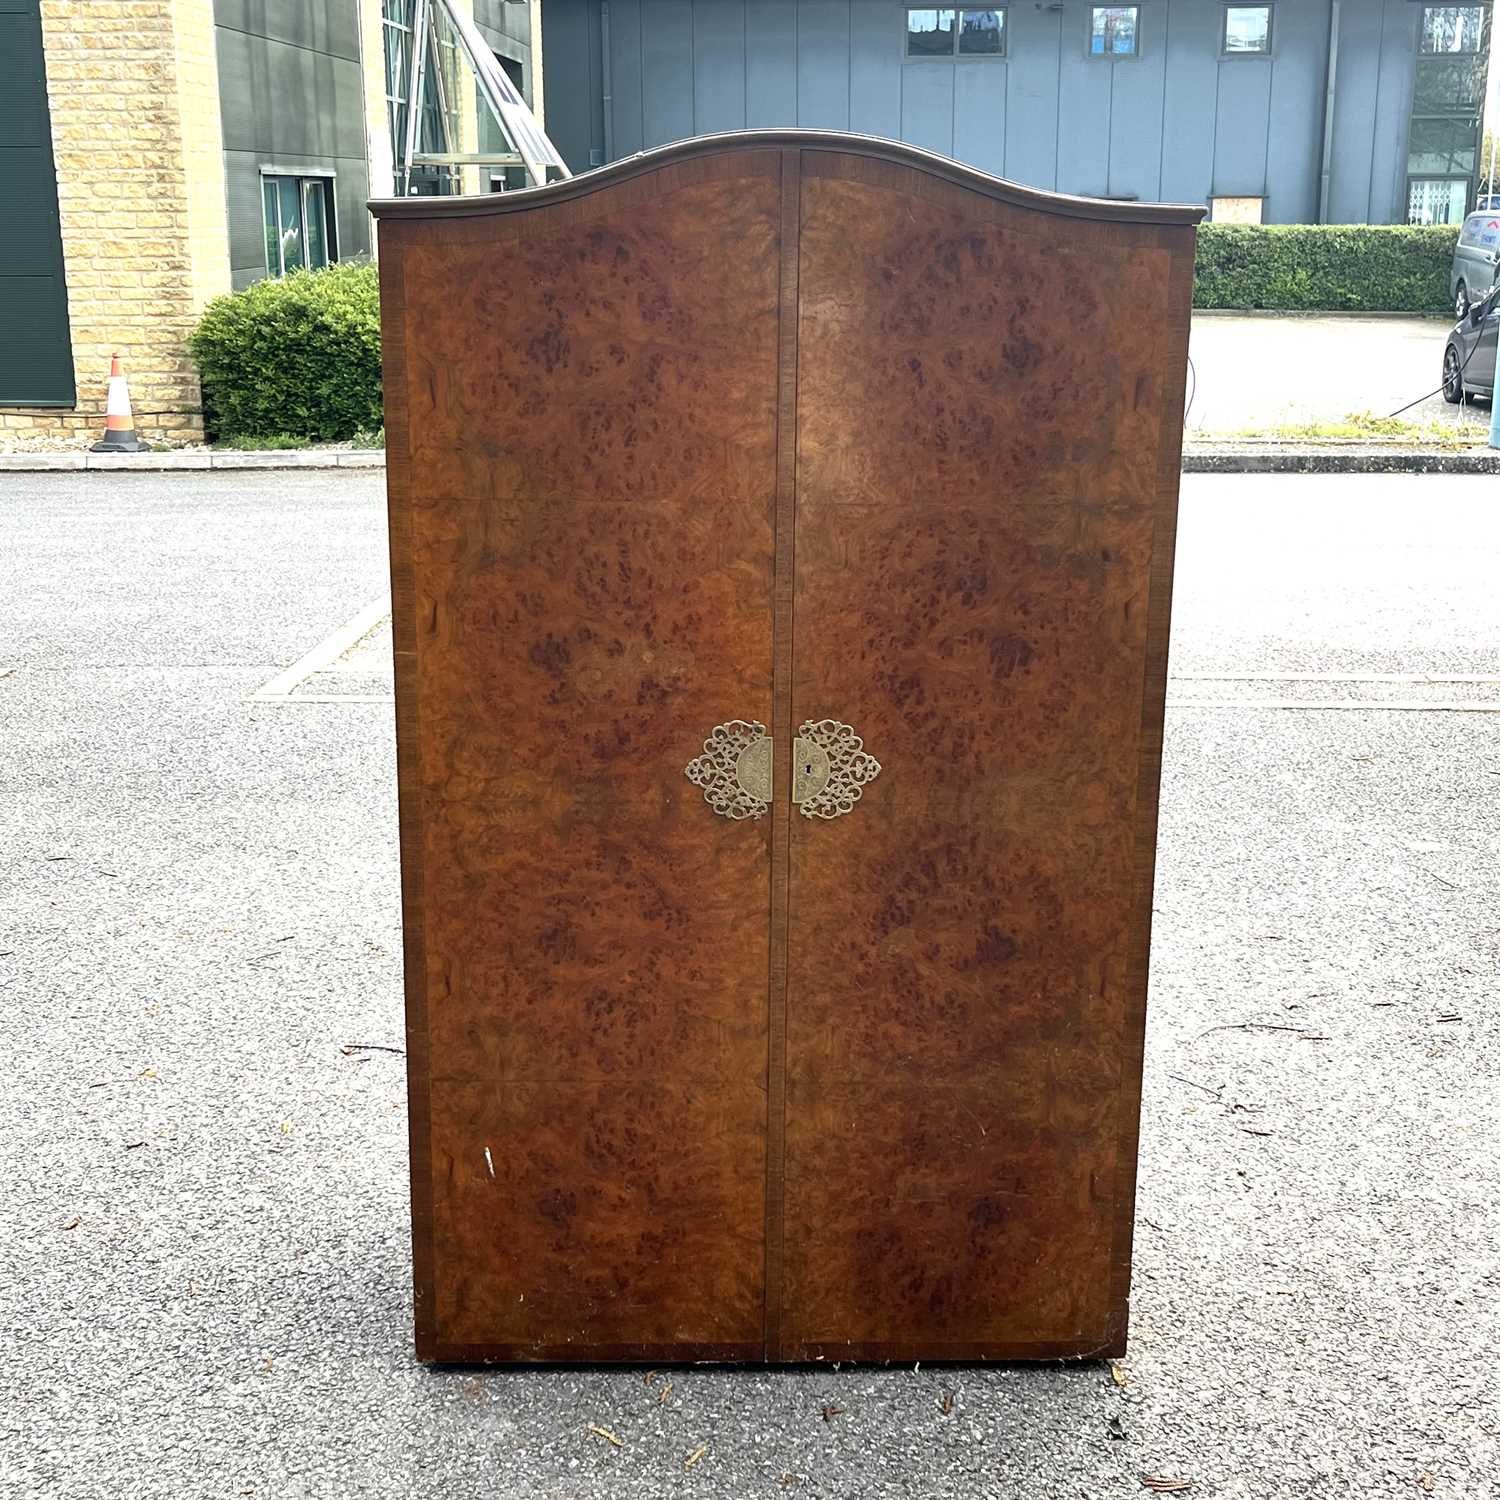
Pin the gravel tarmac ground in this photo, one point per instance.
(1259, 371)
(204, 1264)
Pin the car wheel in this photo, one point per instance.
(1461, 303)
(1453, 377)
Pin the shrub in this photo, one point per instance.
(1325, 267)
(297, 354)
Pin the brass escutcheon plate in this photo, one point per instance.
(810, 769)
(734, 769)
(831, 768)
(753, 769)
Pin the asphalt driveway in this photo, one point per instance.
(1257, 371)
(204, 1273)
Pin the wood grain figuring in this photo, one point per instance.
(779, 426)
(593, 469)
(783, 730)
(980, 415)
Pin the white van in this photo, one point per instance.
(1475, 260)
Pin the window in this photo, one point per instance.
(1247, 30)
(492, 138)
(1436, 200)
(929, 33)
(1442, 147)
(396, 22)
(956, 33)
(438, 129)
(1449, 84)
(1112, 31)
(1452, 28)
(1442, 152)
(299, 222)
(981, 33)
(1481, 229)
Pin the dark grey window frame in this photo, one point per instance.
(1468, 183)
(1465, 52)
(31, 383)
(1111, 57)
(395, 95)
(1470, 113)
(327, 178)
(955, 56)
(1225, 55)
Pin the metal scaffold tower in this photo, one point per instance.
(434, 23)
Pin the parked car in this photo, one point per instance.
(1476, 260)
(1469, 356)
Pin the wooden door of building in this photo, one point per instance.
(781, 537)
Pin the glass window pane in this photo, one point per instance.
(272, 226)
(1446, 84)
(1452, 28)
(1113, 31)
(291, 224)
(397, 113)
(1247, 28)
(929, 33)
(314, 218)
(492, 136)
(1433, 201)
(395, 63)
(981, 33)
(1445, 146)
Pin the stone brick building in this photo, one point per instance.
(159, 152)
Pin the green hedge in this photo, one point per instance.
(296, 354)
(1325, 267)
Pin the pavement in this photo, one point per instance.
(1255, 371)
(204, 1261)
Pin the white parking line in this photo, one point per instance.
(324, 656)
(1329, 677)
(1326, 705)
(280, 689)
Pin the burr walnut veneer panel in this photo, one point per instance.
(582, 526)
(982, 476)
(778, 427)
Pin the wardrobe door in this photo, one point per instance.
(582, 397)
(988, 419)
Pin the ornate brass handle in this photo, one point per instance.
(734, 769)
(830, 769)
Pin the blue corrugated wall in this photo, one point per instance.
(1178, 122)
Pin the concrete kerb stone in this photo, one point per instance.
(1331, 312)
(290, 458)
(284, 458)
(152, 461)
(1197, 458)
(43, 462)
(1361, 459)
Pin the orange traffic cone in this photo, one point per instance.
(119, 425)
